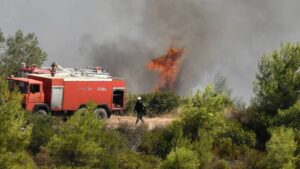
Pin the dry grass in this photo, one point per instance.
(115, 121)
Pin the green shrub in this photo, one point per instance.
(157, 142)
(77, 144)
(222, 164)
(236, 139)
(206, 111)
(253, 159)
(180, 158)
(133, 136)
(290, 117)
(43, 129)
(281, 148)
(130, 103)
(226, 149)
(239, 135)
(161, 141)
(14, 130)
(113, 144)
(161, 102)
(131, 160)
(157, 103)
(203, 147)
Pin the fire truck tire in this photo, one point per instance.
(41, 112)
(100, 113)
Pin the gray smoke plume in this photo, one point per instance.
(220, 36)
(225, 37)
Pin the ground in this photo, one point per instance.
(114, 121)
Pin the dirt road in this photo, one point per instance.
(115, 121)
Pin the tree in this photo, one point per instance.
(78, 142)
(204, 110)
(21, 48)
(180, 158)
(290, 117)
(201, 122)
(14, 131)
(220, 84)
(277, 82)
(281, 148)
(2, 40)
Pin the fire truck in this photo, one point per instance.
(58, 90)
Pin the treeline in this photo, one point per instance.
(19, 48)
(213, 129)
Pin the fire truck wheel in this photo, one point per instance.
(100, 113)
(41, 112)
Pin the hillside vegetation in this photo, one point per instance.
(213, 129)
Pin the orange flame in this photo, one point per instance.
(168, 67)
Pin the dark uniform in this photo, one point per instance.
(140, 110)
(54, 66)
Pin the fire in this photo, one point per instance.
(168, 67)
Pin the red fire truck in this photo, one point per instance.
(68, 90)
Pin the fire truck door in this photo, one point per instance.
(57, 97)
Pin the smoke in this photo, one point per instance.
(185, 23)
(125, 58)
(219, 36)
(225, 37)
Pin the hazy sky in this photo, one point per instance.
(220, 36)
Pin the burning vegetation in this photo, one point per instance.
(168, 67)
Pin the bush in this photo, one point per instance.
(77, 144)
(161, 141)
(290, 117)
(203, 147)
(253, 159)
(158, 103)
(132, 135)
(225, 148)
(239, 135)
(131, 160)
(157, 142)
(130, 103)
(222, 164)
(281, 148)
(180, 158)
(234, 141)
(204, 110)
(161, 102)
(113, 144)
(43, 129)
(14, 131)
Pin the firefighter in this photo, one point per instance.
(54, 66)
(139, 109)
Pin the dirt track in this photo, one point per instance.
(115, 121)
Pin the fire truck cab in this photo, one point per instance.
(69, 90)
(32, 91)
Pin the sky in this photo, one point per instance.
(220, 37)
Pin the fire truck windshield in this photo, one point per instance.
(19, 85)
